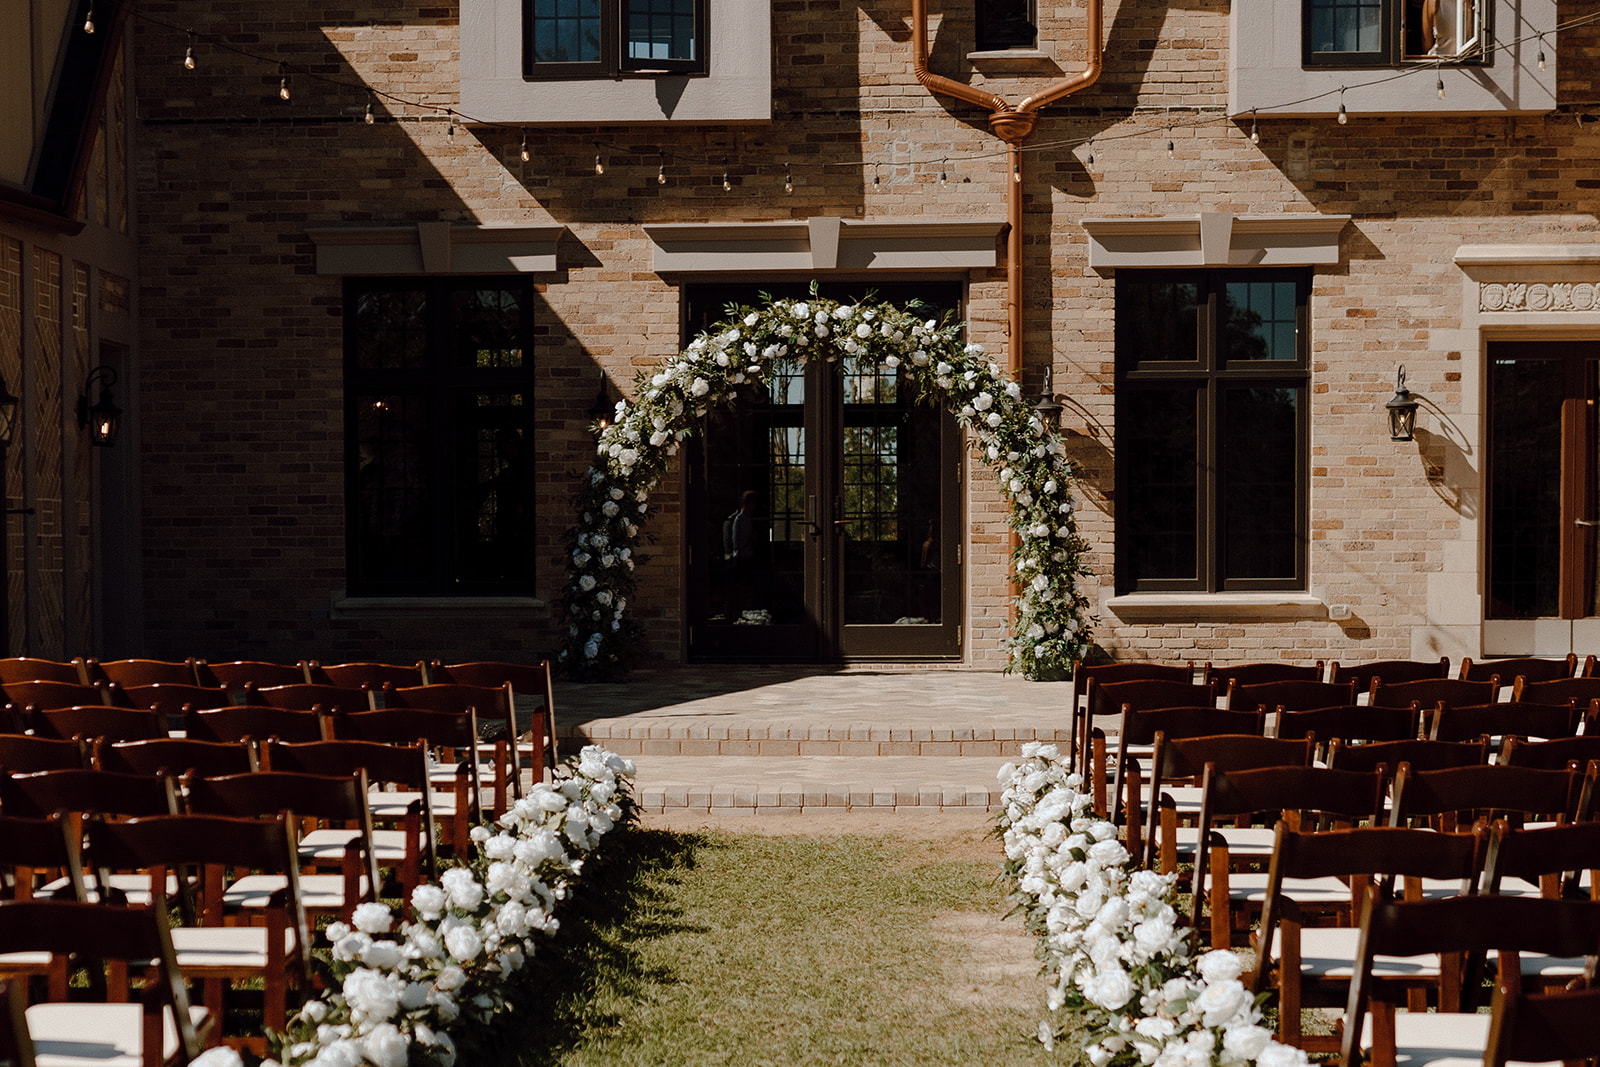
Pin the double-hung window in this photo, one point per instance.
(1386, 33)
(1212, 436)
(439, 436)
(607, 38)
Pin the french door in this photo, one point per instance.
(1544, 493)
(823, 514)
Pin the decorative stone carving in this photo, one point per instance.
(1537, 296)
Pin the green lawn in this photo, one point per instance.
(737, 948)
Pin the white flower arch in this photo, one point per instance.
(1052, 626)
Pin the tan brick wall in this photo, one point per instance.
(240, 339)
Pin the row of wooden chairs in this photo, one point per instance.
(235, 674)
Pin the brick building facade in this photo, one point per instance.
(302, 282)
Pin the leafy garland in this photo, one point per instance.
(1053, 623)
(1114, 954)
(395, 996)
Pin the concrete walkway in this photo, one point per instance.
(777, 740)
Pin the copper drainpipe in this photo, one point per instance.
(1012, 125)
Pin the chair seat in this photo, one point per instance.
(134, 886)
(393, 804)
(104, 1035)
(1251, 886)
(1249, 842)
(24, 963)
(1329, 952)
(328, 846)
(1447, 1039)
(318, 892)
(1554, 969)
(225, 948)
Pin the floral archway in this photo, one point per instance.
(1052, 626)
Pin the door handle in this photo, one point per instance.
(847, 522)
(813, 529)
(1585, 522)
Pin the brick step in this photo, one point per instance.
(779, 740)
(796, 784)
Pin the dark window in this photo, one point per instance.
(603, 38)
(1378, 33)
(1006, 24)
(1211, 436)
(440, 436)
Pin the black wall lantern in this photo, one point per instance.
(1402, 410)
(101, 416)
(602, 410)
(1048, 408)
(9, 406)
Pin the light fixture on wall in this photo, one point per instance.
(602, 410)
(1402, 409)
(1047, 407)
(102, 416)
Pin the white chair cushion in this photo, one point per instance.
(1447, 1039)
(328, 846)
(230, 948)
(102, 1035)
(1252, 886)
(1330, 952)
(136, 887)
(318, 892)
(392, 805)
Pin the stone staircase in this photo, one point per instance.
(782, 740)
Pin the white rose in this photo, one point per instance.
(370, 996)
(465, 892)
(382, 955)
(983, 401)
(450, 979)
(1246, 1042)
(464, 943)
(1276, 1055)
(1220, 1002)
(386, 1046)
(1219, 966)
(751, 319)
(1109, 988)
(430, 901)
(372, 918)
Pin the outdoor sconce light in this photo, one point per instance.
(602, 410)
(101, 416)
(1048, 408)
(9, 406)
(1402, 409)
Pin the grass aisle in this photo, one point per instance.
(740, 948)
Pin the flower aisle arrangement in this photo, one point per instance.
(397, 994)
(1052, 625)
(1115, 957)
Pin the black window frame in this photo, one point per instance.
(989, 24)
(614, 61)
(437, 387)
(1141, 377)
(1391, 53)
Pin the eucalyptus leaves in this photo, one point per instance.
(1052, 626)
(1113, 952)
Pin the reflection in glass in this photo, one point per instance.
(390, 329)
(1525, 398)
(486, 325)
(1346, 25)
(1158, 431)
(1259, 321)
(1157, 321)
(565, 31)
(496, 518)
(1257, 496)
(392, 487)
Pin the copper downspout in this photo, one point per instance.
(1011, 125)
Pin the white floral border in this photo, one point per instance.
(1117, 962)
(401, 993)
(1053, 623)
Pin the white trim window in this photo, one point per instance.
(606, 38)
(1386, 33)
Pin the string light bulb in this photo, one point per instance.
(188, 53)
(599, 164)
(944, 179)
(727, 186)
(369, 118)
(1016, 168)
(88, 19)
(1344, 116)
(526, 155)
(1439, 86)
(1255, 133)
(1541, 51)
(1171, 147)
(661, 168)
(788, 180)
(283, 83)
(450, 127)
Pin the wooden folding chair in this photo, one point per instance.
(175, 756)
(1141, 694)
(1558, 691)
(451, 737)
(1310, 797)
(533, 697)
(254, 722)
(23, 753)
(1457, 796)
(493, 708)
(309, 696)
(1299, 695)
(1553, 754)
(1421, 754)
(1085, 678)
(334, 832)
(1469, 926)
(1309, 964)
(54, 694)
(1390, 671)
(1229, 675)
(1346, 724)
(1516, 718)
(1531, 668)
(1541, 1027)
(234, 675)
(126, 672)
(94, 720)
(1431, 692)
(373, 676)
(152, 1026)
(223, 956)
(1138, 734)
(29, 669)
(1553, 862)
(34, 853)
